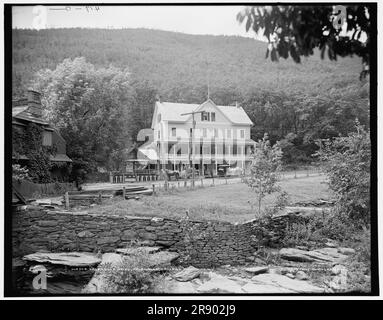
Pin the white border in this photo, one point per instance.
(190, 298)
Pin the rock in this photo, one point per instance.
(106, 240)
(72, 259)
(250, 258)
(283, 282)
(85, 234)
(338, 269)
(264, 288)
(257, 270)
(128, 235)
(290, 275)
(165, 243)
(331, 244)
(292, 254)
(99, 282)
(219, 284)
(175, 287)
(148, 236)
(137, 250)
(346, 251)
(187, 274)
(162, 258)
(275, 271)
(49, 223)
(339, 282)
(329, 255)
(302, 248)
(300, 275)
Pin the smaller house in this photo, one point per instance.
(29, 110)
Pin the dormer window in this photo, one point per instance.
(208, 116)
(205, 116)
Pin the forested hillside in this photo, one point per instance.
(176, 63)
(295, 103)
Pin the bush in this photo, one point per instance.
(347, 163)
(333, 224)
(132, 275)
(265, 169)
(20, 173)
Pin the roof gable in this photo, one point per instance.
(171, 112)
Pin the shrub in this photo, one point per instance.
(347, 163)
(132, 275)
(333, 224)
(264, 171)
(20, 173)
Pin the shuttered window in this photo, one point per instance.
(47, 138)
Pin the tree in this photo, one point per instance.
(347, 162)
(90, 106)
(297, 30)
(264, 171)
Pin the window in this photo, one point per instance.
(213, 116)
(191, 132)
(205, 116)
(159, 134)
(204, 130)
(229, 133)
(47, 138)
(159, 117)
(242, 133)
(174, 132)
(216, 133)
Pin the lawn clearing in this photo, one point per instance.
(232, 202)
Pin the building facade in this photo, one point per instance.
(220, 135)
(29, 110)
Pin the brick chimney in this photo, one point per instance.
(34, 103)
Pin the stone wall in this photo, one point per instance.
(200, 243)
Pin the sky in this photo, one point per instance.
(213, 20)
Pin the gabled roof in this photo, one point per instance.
(171, 111)
(22, 113)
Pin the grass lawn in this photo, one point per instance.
(232, 202)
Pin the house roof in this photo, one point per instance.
(59, 157)
(148, 151)
(171, 111)
(22, 113)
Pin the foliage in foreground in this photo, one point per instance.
(296, 30)
(347, 162)
(131, 275)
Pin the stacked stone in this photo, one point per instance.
(271, 230)
(200, 243)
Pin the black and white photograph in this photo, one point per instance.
(191, 149)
